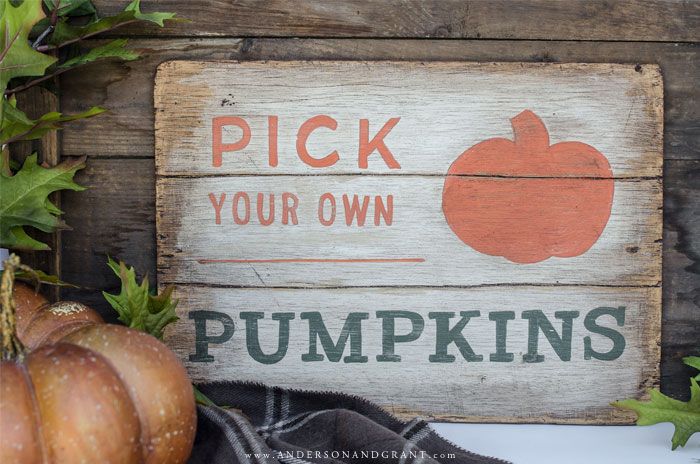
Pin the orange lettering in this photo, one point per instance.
(289, 210)
(218, 147)
(236, 218)
(354, 210)
(321, 201)
(272, 140)
(217, 205)
(377, 143)
(303, 135)
(386, 212)
(271, 217)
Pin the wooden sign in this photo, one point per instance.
(464, 241)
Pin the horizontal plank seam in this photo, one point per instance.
(371, 37)
(390, 174)
(406, 287)
(151, 156)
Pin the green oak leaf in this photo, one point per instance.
(65, 33)
(660, 408)
(136, 306)
(114, 49)
(17, 126)
(17, 57)
(24, 201)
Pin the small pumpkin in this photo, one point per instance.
(87, 391)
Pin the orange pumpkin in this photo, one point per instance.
(88, 391)
(527, 200)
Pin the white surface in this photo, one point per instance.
(572, 444)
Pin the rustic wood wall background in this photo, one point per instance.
(116, 215)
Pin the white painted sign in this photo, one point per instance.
(460, 240)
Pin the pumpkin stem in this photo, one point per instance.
(530, 132)
(12, 347)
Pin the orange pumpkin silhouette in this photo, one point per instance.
(527, 200)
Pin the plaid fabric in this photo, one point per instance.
(269, 425)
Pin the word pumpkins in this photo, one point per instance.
(89, 391)
(527, 200)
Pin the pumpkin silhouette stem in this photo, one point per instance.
(530, 133)
(12, 347)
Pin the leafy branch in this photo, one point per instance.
(39, 40)
(66, 34)
(18, 127)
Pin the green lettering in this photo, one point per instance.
(352, 329)
(202, 340)
(445, 336)
(389, 337)
(561, 345)
(253, 339)
(617, 338)
(501, 318)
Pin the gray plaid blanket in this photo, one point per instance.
(267, 425)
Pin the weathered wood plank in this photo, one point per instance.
(127, 89)
(189, 236)
(637, 20)
(447, 201)
(493, 388)
(682, 239)
(127, 132)
(679, 339)
(349, 91)
(681, 275)
(116, 216)
(613, 107)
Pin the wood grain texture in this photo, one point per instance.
(613, 107)
(630, 245)
(415, 260)
(637, 20)
(483, 391)
(475, 102)
(681, 293)
(127, 88)
(116, 216)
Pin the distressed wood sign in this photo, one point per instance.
(464, 241)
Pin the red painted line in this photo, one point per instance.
(314, 260)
